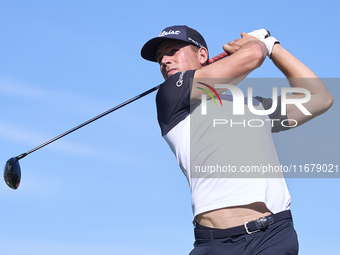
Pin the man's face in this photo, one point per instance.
(176, 56)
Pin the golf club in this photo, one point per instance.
(12, 171)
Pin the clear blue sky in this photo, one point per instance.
(114, 187)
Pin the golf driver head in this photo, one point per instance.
(12, 173)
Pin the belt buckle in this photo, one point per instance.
(250, 232)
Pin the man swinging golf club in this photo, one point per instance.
(231, 215)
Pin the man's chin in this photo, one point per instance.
(170, 73)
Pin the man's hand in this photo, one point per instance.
(247, 54)
(234, 46)
(264, 36)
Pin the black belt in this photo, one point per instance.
(249, 227)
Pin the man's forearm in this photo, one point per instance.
(299, 75)
(289, 65)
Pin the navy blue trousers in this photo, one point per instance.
(280, 238)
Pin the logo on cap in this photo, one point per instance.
(195, 42)
(170, 32)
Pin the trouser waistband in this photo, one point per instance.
(249, 227)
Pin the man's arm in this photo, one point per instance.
(246, 54)
(299, 75)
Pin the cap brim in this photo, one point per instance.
(149, 49)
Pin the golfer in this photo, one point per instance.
(231, 215)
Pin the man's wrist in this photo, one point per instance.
(270, 42)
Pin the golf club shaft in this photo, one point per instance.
(214, 59)
(89, 121)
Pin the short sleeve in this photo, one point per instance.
(173, 100)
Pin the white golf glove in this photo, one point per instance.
(264, 36)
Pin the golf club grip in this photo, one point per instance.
(218, 57)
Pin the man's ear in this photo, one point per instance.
(203, 55)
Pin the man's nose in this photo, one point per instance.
(166, 59)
